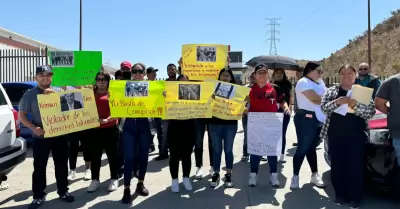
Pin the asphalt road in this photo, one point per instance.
(158, 181)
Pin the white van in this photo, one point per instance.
(12, 145)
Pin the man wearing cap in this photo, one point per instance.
(42, 147)
(151, 76)
(126, 70)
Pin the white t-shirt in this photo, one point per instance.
(305, 84)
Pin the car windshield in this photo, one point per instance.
(15, 93)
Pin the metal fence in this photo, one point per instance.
(18, 65)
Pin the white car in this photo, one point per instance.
(12, 145)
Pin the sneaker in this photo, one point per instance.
(282, 159)
(264, 159)
(317, 180)
(252, 179)
(211, 171)
(354, 205)
(3, 186)
(71, 175)
(94, 185)
(36, 203)
(175, 186)
(339, 202)
(114, 184)
(187, 184)
(141, 189)
(199, 174)
(274, 180)
(67, 197)
(88, 175)
(161, 157)
(245, 158)
(295, 182)
(127, 198)
(228, 180)
(214, 180)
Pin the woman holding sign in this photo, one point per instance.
(137, 134)
(105, 137)
(181, 140)
(347, 136)
(222, 133)
(265, 97)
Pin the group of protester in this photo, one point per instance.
(128, 141)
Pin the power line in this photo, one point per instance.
(273, 23)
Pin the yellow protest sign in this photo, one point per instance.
(68, 111)
(229, 100)
(202, 61)
(136, 99)
(188, 100)
(228, 109)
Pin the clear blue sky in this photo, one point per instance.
(153, 31)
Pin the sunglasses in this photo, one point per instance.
(134, 71)
(363, 69)
(100, 79)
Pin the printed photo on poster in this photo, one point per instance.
(62, 59)
(224, 90)
(71, 101)
(189, 91)
(136, 89)
(206, 54)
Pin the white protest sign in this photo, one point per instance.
(264, 133)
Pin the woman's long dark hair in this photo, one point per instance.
(285, 84)
(106, 76)
(230, 73)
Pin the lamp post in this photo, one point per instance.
(80, 25)
(369, 35)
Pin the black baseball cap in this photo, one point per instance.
(260, 66)
(43, 69)
(150, 70)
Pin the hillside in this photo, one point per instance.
(385, 50)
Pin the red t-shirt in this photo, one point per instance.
(265, 99)
(103, 108)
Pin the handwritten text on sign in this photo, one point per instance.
(228, 109)
(67, 112)
(136, 99)
(183, 109)
(264, 133)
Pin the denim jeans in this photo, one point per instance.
(222, 135)
(136, 138)
(286, 120)
(244, 123)
(396, 145)
(164, 146)
(255, 163)
(307, 130)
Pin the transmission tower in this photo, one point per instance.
(272, 24)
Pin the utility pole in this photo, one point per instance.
(80, 26)
(273, 23)
(369, 35)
